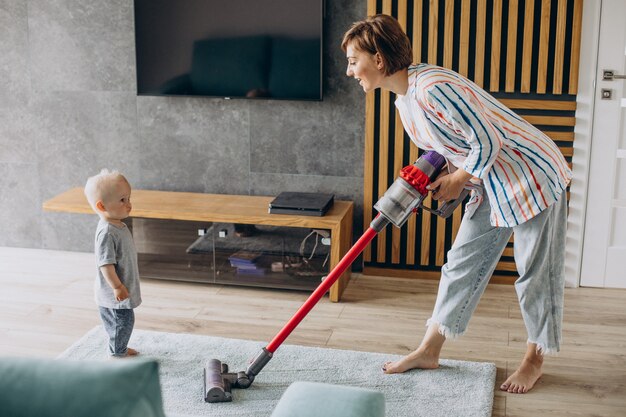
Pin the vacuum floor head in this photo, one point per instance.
(218, 382)
(217, 389)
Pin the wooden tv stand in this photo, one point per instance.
(242, 209)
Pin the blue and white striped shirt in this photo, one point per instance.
(522, 170)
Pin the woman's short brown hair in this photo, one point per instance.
(381, 34)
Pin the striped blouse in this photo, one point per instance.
(522, 170)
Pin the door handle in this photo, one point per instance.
(610, 75)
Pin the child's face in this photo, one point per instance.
(117, 205)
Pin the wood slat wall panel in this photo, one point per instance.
(503, 45)
(433, 26)
(368, 165)
(575, 48)
(560, 136)
(544, 34)
(464, 38)
(440, 242)
(448, 48)
(506, 266)
(418, 12)
(383, 161)
(397, 166)
(384, 157)
(387, 6)
(528, 46)
(550, 120)
(511, 47)
(456, 221)
(411, 224)
(519, 104)
(402, 13)
(496, 27)
(398, 146)
(557, 83)
(425, 244)
(481, 21)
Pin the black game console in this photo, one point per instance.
(303, 204)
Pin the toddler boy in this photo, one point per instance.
(117, 290)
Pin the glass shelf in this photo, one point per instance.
(228, 254)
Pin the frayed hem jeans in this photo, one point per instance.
(539, 252)
(118, 323)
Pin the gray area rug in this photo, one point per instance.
(457, 388)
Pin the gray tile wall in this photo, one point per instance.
(68, 108)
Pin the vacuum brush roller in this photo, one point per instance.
(216, 388)
(218, 382)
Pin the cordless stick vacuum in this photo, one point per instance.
(404, 197)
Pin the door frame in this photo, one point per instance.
(581, 160)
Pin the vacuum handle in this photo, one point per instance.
(447, 208)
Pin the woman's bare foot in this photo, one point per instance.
(416, 359)
(426, 356)
(528, 373)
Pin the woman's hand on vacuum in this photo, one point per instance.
(449, 187)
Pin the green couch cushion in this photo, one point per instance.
(66, 388)
(315, 399)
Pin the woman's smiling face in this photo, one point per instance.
(364, 67)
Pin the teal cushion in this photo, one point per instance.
(296, 69)
(230, 67)
(315, 399)
(60, 388)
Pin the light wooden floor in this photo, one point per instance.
(46, 303)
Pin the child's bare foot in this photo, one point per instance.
(131, 352)
(416, 359)
(525, 377)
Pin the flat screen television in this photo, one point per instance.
(268, 49)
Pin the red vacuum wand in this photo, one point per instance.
(403, 198)
(328, 282)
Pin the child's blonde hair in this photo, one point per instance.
(99, 186)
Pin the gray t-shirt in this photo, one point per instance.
(114, 245)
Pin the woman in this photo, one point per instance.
(523, 177)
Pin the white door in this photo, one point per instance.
(604, 241)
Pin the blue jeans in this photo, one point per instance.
(118, 323)
(539, 252)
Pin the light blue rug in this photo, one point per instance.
(457, 388)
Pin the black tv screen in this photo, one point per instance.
(230, 48)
